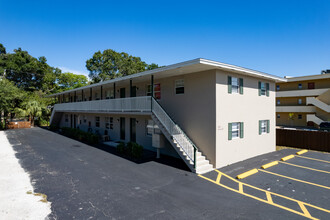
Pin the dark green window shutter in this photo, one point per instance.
(267, 126)
(240, 85)
(259, 87)
(259, 127)
(241, 134)
(267, 89)
(229, 84)
(229, 131)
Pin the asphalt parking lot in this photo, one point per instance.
(300, 184)
(84, 182)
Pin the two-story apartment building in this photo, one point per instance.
(303, 101)
(208, 113)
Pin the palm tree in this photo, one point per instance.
(31, 109)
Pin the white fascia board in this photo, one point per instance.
(180, 65)
(243, 70)
(310, 77)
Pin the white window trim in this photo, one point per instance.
(180, 86)
(238, 130)
(233, 87)
(263, 126)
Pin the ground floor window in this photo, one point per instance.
(97, 121)
(278, 116)
(299, 116)
(109, 122)
(235, 130)
(66, 118)
(263, 126)
(149, 127)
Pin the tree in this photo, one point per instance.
(68, 81)
(111, 64)
(26, 71)
(10, 97)
(32, 108)
(2, 49)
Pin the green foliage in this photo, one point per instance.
(131, 149)
(71, 81)
(111, 64)
(10, 96)
(2, 49)
(77, 134)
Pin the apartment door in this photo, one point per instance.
(311, 85)
(133, 91)
(122, 128)
(122, 93)
(133, 129)
(74, 121)
(71, 121)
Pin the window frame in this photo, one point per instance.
(97, 121)
(235, 88)
(178, 87)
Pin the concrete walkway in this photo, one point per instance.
(17, 198)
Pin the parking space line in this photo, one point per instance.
(291, 164)
(303, 208)
(298, 180)
(303, 205)
(310, 158)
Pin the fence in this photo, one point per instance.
(312, 140)
(18, 124)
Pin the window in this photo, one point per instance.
(278, 102)
(299, 86)
(278, 116)
(109, 122)
(277, 87)
(179, 86)
(97, 121)
(156, 91)
(96, 96)
(149, 127)
(235, 85)
(263, 89)
(311, 85)
(263, 126)
(85, 118)
(299, 101)
(235, 130)
(109, 94)
(66, 118)
(299, 116)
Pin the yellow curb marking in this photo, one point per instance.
(301, 152)
(269, 200)
(291, 164)
(269, 165)
(298, 180)
(246, 174)
(218, 178)
(310, 158)
(287, 157)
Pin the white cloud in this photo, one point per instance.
(77, 72)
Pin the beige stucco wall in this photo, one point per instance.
(291, 101)
(319, 84)
(194, 110)
(248, 108)
(285, 120)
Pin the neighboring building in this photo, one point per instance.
(303, 101)
(210, 114)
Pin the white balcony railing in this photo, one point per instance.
(300, 93)
(304, 108)
(133, 104)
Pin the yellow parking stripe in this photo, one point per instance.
(298, 180)
(310, 158)
(256, 198)
(218, 178)
(302, 205)
(269, 198)
(305, 211)
(291, 164)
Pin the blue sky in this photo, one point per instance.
(277, 37)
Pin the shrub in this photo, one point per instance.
(130, 149)
(77, 134)
(121, 148)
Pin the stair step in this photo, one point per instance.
(203, 162)
(199, 158)
(204, 169)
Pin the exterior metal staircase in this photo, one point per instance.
(316, 102)
(179, 140)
